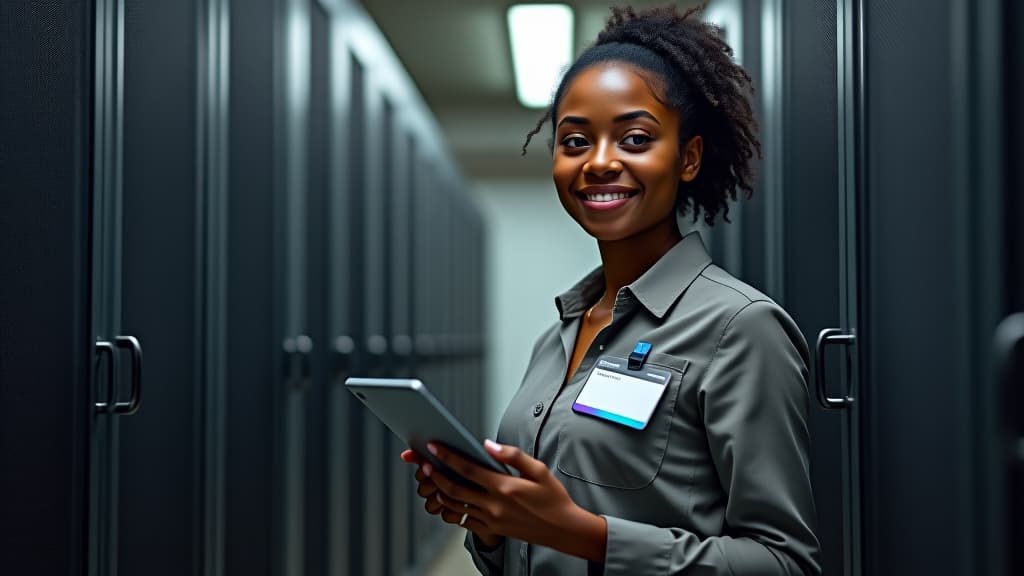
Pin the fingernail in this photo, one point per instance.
(432, 448)
(427, 468)
(492, 445)
(439, 498)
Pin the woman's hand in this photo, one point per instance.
(428, 490)
(534, 507)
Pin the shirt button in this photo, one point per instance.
(538, 409)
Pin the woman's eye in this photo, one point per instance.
(636, 140)
(574, 142)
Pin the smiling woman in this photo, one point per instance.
(661, 427)
(618, 164)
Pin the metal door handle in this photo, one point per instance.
(1008, 344)
(105, 350)
(826, 337)
(132, 405)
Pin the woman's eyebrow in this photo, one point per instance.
(574, 120)
(636, 114)
(620, 118)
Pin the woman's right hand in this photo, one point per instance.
(428, 490)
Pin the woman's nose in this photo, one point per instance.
(604, 161)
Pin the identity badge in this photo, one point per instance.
(616, 393)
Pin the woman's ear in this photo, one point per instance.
(693, 151)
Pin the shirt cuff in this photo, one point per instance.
(635, 549)
(487, 560)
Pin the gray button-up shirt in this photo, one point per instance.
(718, 482)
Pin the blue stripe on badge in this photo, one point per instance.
(618, 419)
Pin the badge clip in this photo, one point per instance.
(639, 355)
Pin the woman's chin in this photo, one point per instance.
(604, 233)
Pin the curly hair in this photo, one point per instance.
(690, 69)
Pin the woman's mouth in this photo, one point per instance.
(606, 197)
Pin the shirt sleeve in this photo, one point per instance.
(753, 398)
(488, 561)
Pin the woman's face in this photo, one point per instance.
(616, 157)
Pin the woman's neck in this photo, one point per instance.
(626, 260)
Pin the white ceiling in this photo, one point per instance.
(457, 53)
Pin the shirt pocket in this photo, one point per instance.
(612, 455)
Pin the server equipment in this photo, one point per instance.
(213, 213)
(887, 221)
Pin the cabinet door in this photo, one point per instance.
(345, 421)
(931, 296)
(46, 345)
(426, 312)
(407, 185)
(173, 284)
(398, 286)
(252, 347)
(159, 461)
(808, 215)
(157, 176)
(292, 90)
(105, 266)
(377, 460)
(318, 222)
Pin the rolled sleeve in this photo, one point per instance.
(488, 561)
(753, 399)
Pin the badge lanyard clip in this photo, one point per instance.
(639, 355)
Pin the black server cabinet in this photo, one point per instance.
(228, 187)
(253, 352)
(753, 213)
(46, 344)
(930, 292)
(818, 249)
(400, 286)
(375, 142)
(890, 242)
(345, 329)
(893, 241)
(362, 541)
(318, 222)
(157, 197)
(157, 453)
(800, 242)
(427, 313)
(397, 323)
(291, 269)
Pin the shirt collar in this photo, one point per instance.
(656, 290)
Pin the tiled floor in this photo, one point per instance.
(453, 559)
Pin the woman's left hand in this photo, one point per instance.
(534, 507)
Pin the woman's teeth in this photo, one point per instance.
(607, 197)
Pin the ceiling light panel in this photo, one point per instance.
(541, 37)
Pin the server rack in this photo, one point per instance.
(897, 257)
(232, 202)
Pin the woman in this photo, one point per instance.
(661, 425)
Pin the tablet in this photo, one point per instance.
(417, 417)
